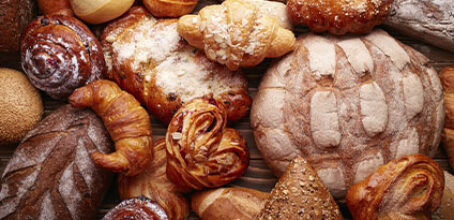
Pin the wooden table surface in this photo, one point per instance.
(258, 176)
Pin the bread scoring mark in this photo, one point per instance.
(85, 164)
(409, 145)
(357, 54)
(435, 83)
(390, 47)
(374, 110)
(413, 94)
(69, 192)
(214, 195)
(439, 122)
(334, 180)
(368, 166)
(47, 208)
(324, 119)
(321, 54)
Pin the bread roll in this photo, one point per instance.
(21, 106)
(55, 7)
(127, 122)
(14, 17)
(148, 58)
(300, 194)
(170, 8)
(228, 203)
(51, 175)
(137, 209)
(59, 54)
(100, 11)
(410, 187)
(445, 211)
(347, 105)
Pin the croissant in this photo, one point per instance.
(236, 34)
(201, 151)
(170, 8)
(59, 54)
(138, 209)
(447, 81)
(126, 121)
(407, 188)
(154, 184)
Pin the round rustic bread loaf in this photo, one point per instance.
(348, 105)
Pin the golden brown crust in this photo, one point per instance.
(236, 33)
(126, 121)
(202, 152)
(447, 81)
(170, 8)
(137, 209)
(228, 203)
(339, 16)
(153, 183)
(407, 188)
(100, 11)
(300, 194)
(172, 72)
(59, 54)
(55, 7)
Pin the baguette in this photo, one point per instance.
(228, 203)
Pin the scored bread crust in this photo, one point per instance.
(348, 105)
(148, 58)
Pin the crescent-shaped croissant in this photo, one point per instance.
(201, 151)
(407, 188)
(127, 122)
(236, 33)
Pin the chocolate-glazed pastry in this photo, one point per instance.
(59, 54)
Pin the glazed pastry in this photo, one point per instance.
(339, 17)
(300, 194)
(201, 151)
(170, 8)
(152, 183)
(406, 188)
(14, 17)
(447, 81)
(150, 60)
(236, 34)
(126, 121)
(55, 7)
(59, 54)
(100, 11)
(228, 203)
(347, 105)
(138, 209)
(51, 175)
(21, 106)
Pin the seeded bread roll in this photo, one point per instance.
(148, 58)
(21, 106)
(347, 105)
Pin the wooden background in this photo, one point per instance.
(258, 176)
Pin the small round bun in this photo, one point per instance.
(100, 11)
(20, 106)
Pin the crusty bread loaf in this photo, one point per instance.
(347, 105)
(430, 21)
(300, 194)
(51, 175)
(228, 203)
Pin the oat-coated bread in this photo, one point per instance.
(51, 175)
(348, 105)
(148, 58)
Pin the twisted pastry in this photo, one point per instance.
(236, 33)
(447, 81)
(59, 54)
(407, 188)
(201, 151)
(138, 209)
(154, 184)
(339, 16)
(126, 121)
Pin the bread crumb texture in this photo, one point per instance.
(21, 106)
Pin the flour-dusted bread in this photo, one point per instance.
(148, 58)
(348, 105)
(51, 175)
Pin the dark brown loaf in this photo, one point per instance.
(14, 16)
(51, 175)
